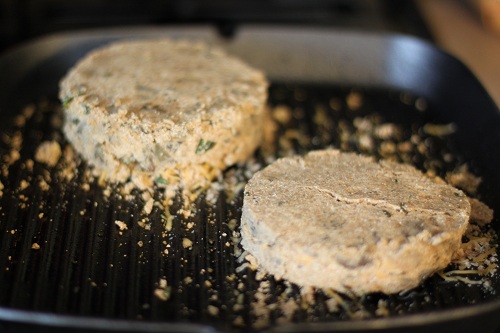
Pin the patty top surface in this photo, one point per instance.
(331, 199)
(162, 80)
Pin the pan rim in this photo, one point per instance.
(49, 319)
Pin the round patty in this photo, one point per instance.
(343, 221)
(176, 111)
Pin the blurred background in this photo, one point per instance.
(24, 19)
(468, 29)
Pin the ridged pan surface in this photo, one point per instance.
(77, 255)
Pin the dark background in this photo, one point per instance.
(22, 20)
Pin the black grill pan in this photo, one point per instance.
(88, 277)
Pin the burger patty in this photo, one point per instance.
(173, 111)
(344, 221)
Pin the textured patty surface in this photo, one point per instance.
(176, 109)
(343, 221)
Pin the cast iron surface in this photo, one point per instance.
(88, 276)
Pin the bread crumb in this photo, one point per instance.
(385, 131)
(252, 261)
(480, 213)
(44, 186)
(282, 114)
(163, 291)
(440, 129)
(35, 246)
(162, 283)
(463, 179)
(239, 321)
(148, 206)
(121, 225)
(48, 152)
(24, 185)
(13, 157)
(144, 223)
(332, 305)
(289, 308)
(162, 294)
(213, 310)
(168, 221)
(382, 309)
(354, 100)
(187, 243)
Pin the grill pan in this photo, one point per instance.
(88, 277)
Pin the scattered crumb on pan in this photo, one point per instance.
(163, 291)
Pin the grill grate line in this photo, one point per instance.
(112, 270)
(11, 233)
(156, 263)
(10, 244)
(147, 267)
(94, 208)
(225, 258)
(43, 297)
(96, 236)
(170, 268)
(134, 275)
(194, 311)
(115, 250)
(197, 298)
(71, 243)
(78, 252)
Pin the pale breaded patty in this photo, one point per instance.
(343, 221)
(174, 111)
